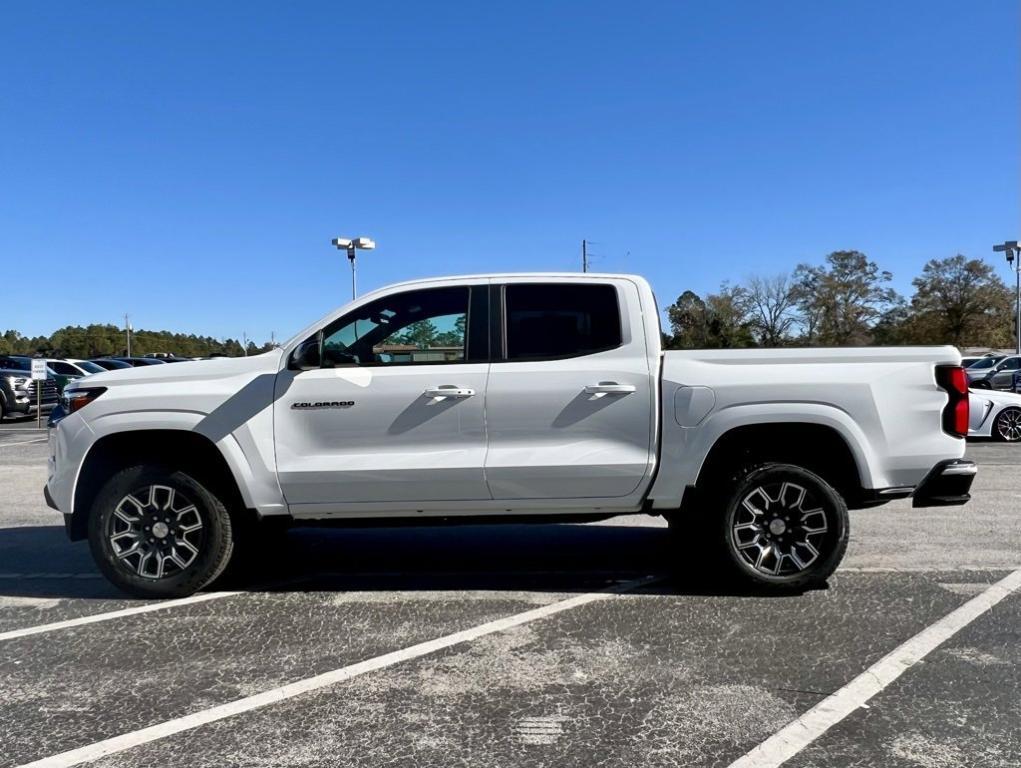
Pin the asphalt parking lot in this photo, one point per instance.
(519, 646)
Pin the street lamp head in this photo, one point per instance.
(1010, 250)
(361, 243)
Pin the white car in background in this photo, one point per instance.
(995, 414)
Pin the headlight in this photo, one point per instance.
(17, 381)
(75, 399)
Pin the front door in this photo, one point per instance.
(1004, 376)
(395, 412)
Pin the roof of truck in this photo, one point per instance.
(517, 276)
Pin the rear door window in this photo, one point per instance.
(557, 320)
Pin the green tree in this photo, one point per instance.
(960, 301)
(719, 322)
(841, 301)
(455, 336)
(422, 334)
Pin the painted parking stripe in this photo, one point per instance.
(23, 442)
(98, 617)
(795, 736)
(125, 741)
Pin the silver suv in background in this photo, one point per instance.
(18, 390)
(993, 372)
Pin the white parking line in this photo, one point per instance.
(98, 617)
(798, 734)
(23, 442)
(275, 695)
(992, 567)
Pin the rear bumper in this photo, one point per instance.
(947, 484)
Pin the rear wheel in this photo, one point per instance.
(157, 532)
(1007, 426)
(782, 527)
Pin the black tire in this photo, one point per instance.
(795, 504)
(180, 562)
(1007, 426)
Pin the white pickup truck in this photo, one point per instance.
(530, 397)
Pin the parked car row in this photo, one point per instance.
(18, 392)
(20, 395)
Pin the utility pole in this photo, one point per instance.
(584, 255)
(127, 331)
(1013, 253)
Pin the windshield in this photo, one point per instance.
(985, 362)
(90, 367)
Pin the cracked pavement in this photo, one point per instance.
(669, 674)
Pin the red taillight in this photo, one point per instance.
(76, 399)
(954, 380)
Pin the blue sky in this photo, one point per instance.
(188, 162)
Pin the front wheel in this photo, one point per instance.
(157, 533)
(783, 527)
(1007, 426)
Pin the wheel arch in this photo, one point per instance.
(818, 447)
(181, 449)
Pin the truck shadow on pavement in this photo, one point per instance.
(39, 561)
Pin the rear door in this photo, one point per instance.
(1004, 376)
(569, 407)
(395, 414)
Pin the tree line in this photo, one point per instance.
(76, 341)
(847, 301)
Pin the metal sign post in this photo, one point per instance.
(39, 376)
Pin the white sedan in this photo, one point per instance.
(995, 414)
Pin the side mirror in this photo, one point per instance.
(306, 356)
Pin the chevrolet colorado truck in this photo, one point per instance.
(535, 397)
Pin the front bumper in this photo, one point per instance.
(947, 484)
(31, 409)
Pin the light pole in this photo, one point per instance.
(351, 246)
(1010, 250)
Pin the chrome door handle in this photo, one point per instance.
(449, 390)
(609, 388)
